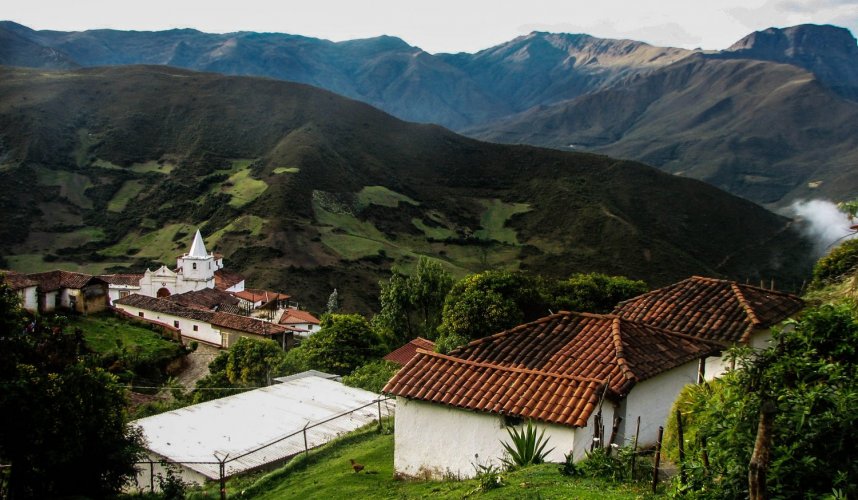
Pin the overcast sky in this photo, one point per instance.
(445, 25)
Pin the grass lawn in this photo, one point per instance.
(328, 474)
(101, 332)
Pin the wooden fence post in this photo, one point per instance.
(657, 459)
(379, 416)
(635, 447)
(681, 438)
(151, 476)
(306, 449)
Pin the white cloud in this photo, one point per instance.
(822, 223)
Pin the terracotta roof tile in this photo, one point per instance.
(404, 354)
(164, 306)
(205, 299)
(226, 279)
(550, 370)
(16, 281)
(292, 316)
(713, 309)
(256, 295)
(55, 280)
(246, 324)
(122, 279)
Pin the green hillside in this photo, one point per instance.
(306, 191)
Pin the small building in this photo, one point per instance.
(219, 329)
(722, 311)
(121, 285)
(577, 376)
(24, 287)
(255, 298)
(254, 430)
(404, 354)
(207, 299)
(68, 290)
(301, 322)
(228, 281)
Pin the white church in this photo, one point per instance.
(195, 270)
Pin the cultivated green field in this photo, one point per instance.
(494, 219)
(128, 191)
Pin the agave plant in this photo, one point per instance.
(525, 448)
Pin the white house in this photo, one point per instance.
(216, 328)
(69, 290)
(577, 376)
(303, 323)
(723, 311)
(24, 287)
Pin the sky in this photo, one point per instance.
(445, 25)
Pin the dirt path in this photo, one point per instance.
(197, 365)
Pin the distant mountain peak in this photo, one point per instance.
(795, 40)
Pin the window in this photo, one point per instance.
(176, 324)
(196, 328)
(195, 265)
(123, 294)
(140, 314)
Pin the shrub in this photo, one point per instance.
(839, 262)
(372, 376)
(526, 448)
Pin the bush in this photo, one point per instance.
(525, 448)
(614, 464)
(372, 376)
(841, 261)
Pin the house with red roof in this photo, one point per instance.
(721, 311)
(301, 322)
(24, 287)
(404, 354)
(582, 378)
(79, 292)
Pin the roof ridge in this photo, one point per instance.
(513, 369)
(745, 304)
(508, 331)
(616, 336)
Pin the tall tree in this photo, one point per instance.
(63, 425)
(344, 342)
(411, 306)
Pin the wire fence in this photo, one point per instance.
(152, 472)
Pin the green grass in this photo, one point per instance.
(287, 170)
(438, 233)
(128, 191)
(327, 474)
(380, 195)
(34, 263)
(158, 245)
(243, 188)
(353, 247)
(102, 331)
(251, 223)
(152, 166)
(72, 185)
(494, 219)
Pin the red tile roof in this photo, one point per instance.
(16, 281)
(205, 299)
(246, 324)
(713, 309)
(404, 354)
(54, 280)
(553, 369)
(122, 279)
(226, 279)
(292, 316)
(257, 295)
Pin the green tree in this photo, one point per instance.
(811, 375)
(839, 263)
(344, 342)
(411, 306)
(333, 302)
(486, 303)
(593, 292)
(63, 425)
(250, 362)
(372, 376)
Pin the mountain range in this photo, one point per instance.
(767, 118)
(113, 168)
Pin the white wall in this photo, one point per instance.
(433, 440)
(205, 332)
(716, 366)
(114, 291)
(29, 299)
(652, 400)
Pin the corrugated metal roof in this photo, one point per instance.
(245, 422)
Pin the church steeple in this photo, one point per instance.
(198, 248)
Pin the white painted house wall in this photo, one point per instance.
(652, 400)
(114, 292)
(50, 299)
(29, 298)
(205, 332)
(434, 441)
(716, 366)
